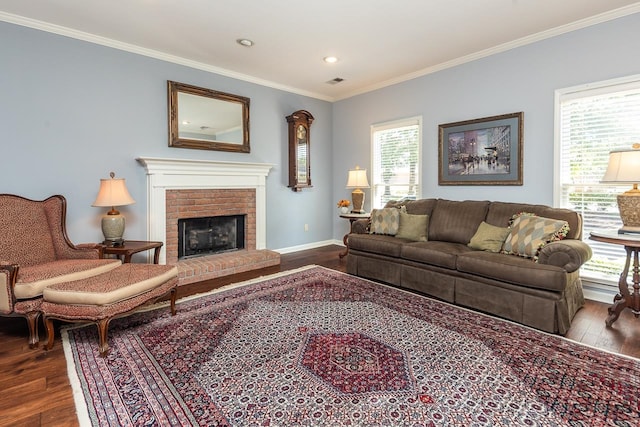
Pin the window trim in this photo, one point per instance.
(391, 124)
(603, 87)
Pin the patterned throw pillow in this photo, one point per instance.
(385, 221)
(529, 234)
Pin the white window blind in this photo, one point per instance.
(592, 122)
(395, 171)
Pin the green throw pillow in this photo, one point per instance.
(385, 221)
(489, 237)
(529, 233)
(413, 227)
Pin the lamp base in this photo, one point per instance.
(629, 230)
(117, 243)
(629, 207)
(357, 197)
(113, 227)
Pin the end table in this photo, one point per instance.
(624, 298)
(351, 217)
(130, 247)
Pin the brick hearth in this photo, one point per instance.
(212, 202)
(181, 188)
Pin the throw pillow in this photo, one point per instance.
(489, 237)
(385, 221)
(413, 227)
(529, 233)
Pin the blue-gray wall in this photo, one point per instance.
(522, 79)
(72, 111)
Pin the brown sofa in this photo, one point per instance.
(544, 293)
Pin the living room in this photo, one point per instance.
(74, 110)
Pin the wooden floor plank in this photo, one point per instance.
(35, 390)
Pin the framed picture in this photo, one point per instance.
(485, 151)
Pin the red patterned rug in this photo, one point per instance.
(320, 348)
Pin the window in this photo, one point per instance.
(396, 160)
(591, 121)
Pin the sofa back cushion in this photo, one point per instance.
(500, 213)
(457, 222)
(414, 207)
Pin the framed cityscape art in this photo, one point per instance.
(486, 151)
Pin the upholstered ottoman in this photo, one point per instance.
(112, 294)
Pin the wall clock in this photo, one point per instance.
(299, 143)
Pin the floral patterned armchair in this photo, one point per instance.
(35, 252)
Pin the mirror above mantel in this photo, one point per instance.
(207, 119)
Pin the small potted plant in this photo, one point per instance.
(343, 206)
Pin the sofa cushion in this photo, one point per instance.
(441, 254)
(376, 243)
(34, 279)
(413, 227)
(529, 233)
(385, 221)
(513, 269)
(457, 222)
(489, 237)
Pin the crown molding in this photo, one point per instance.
(127, 47)
(104, 41)
(543, 35)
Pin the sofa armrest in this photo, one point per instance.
(360, 226)
(569, 254)
(8, 274)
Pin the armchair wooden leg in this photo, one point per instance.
(32, 320)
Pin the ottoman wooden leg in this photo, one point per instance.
(50, 332)
(174, 292)
(103, 326)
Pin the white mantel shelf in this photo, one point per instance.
(184, 174)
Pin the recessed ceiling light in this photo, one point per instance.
(245, 42)
(330, 59)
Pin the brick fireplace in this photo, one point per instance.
(178, 188)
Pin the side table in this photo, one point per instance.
(351, 217)
(131, 247)
(624, 298)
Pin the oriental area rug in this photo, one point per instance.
(315, 347)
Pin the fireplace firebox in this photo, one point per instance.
(210, 235)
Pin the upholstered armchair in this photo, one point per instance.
(35, 252)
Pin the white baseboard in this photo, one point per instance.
(598, 292)
(309, 246)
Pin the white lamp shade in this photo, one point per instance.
(624, 167)
(113, 192)
(357, 178)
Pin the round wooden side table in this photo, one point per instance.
(625, 298)
(351, 217)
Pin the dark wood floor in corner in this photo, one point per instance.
(35, 390)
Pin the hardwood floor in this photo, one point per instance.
(35, 389)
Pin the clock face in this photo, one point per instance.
(301, 133)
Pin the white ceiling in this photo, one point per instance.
(378, 42)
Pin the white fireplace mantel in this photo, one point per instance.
(181, 174)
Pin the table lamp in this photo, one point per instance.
(624, 168)
(113, 192)
(357, 179)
